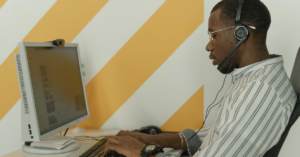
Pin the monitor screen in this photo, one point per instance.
(56, 86)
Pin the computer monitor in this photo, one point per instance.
(53, 96)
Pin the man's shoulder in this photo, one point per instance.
(275, 77)
(271, 76)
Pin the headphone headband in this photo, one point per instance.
(239, 12)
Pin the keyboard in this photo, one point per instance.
(97, 150)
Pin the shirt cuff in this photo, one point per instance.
(194, 143)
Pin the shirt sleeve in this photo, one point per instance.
(249, 125)
(195, 142)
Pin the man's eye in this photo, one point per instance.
(214, 36)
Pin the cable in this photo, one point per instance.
(208, 110)
(66, 132)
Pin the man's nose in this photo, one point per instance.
(209, 46)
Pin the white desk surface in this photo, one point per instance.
(84, 145)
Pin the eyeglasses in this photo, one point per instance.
(210, 36)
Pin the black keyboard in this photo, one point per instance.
(98, 150)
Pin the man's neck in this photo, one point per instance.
(249, 56)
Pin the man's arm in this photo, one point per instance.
(170, 140)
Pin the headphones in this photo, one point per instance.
(241, 32)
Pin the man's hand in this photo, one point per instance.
(144, 138)
(125, 145)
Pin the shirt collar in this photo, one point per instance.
(258, 65)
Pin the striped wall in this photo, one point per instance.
(145, 61)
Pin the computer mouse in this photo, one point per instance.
(151, 129)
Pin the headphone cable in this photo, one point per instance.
(209, 108)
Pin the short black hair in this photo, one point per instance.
(254, 13)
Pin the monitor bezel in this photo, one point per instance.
(30, 97)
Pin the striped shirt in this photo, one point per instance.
(252, 115)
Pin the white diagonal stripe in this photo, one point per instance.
(17, 18)
(110, 29)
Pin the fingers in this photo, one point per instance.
(113, 143)
(109, 146)
(117, 143)
(106, 148)
(114, 139)
(125, 145)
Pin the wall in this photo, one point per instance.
(145, 61)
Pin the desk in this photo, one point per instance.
(84, 145)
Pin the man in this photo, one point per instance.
(255, 110)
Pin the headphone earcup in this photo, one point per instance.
(241, 32)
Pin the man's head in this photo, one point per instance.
(254, 13)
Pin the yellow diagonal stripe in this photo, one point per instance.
(189, 115)
(65, 20)
(140, 57)
(2, 2)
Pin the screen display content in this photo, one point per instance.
(57, 86)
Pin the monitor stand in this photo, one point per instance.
(48, 151)
(78, 130)
(67, 149)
